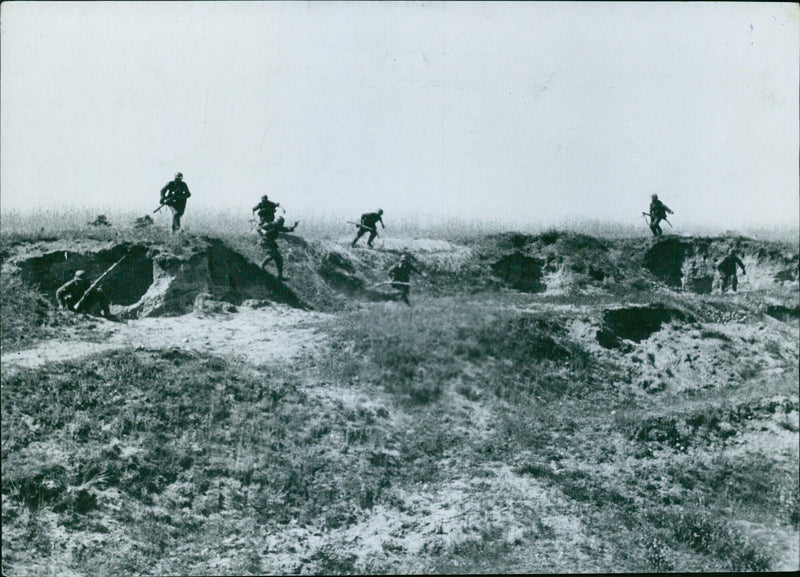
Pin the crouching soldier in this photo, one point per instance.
(369, 224)
(401, 276)
(269, 235)
(78, 296)
(727, 269)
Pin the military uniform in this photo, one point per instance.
(401, 275)
(174, 195)
(369, 223)
(658, 212)
(727, 269)
(269, 235)
(266, 210)
(70, 294)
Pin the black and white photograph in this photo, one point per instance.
(399, 287)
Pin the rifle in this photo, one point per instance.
(664, 219)
(160, 206)
(358, 224)
(391, 282)
(95, 283)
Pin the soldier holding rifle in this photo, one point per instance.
(81, 296)
(658, 212)
(369, 224)
(174, 195)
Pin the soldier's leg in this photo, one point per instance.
(725, 279)
(372, 235)
(359, 234)
(653, 226)
(266, 246)
(404, 295)
(276, 256)
(734, 282)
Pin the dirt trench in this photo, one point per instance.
(691, 263)
(153, 281)
(636, 323)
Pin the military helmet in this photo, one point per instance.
(265, 197)
(179, 175)
(405, 257)
(280, 220)
(380, 211)
(654, 196)
(80, 274)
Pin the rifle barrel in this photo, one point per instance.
(95, 283)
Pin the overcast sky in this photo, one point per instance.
(510, 111)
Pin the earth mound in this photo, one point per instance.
(153, 279)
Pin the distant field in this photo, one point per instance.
(325, 226)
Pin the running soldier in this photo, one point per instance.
(174, 195)
(401, 275)
(71, 293)
(727, 269)
(266, 210)
(658, 212)
(269, 234)
(369, 223)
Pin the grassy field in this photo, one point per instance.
(473, 432)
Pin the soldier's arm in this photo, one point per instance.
(164, 190)
(380, 219)
(186, 193)
(61, 294)
(741, 264)
(668, 209)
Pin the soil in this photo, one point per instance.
(671, 333)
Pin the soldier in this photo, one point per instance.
(174, 195)
(269, 234)
(266, 210)
(658, 212)
(70, 294)
(369, 223)
(401, 274)
(727, 269)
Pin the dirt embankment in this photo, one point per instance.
(158, 279)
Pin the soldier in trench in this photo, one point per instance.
(727, 269)
(70, 294)
(269, 234)
(401, 276)
(174, 195)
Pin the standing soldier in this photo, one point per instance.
(269, 234)
(266, 210)
(401, 275)
(658, 212)
(727, 268)
(174, 195)
(369, 223)
(70, 295)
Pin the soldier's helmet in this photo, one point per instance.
(178, 175)
(81, 274)
(654, 196)
(280, 220)
(405, 258)
(733, 252)
(380, 211)
(265, 197)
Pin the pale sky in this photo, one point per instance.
(511, 111)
